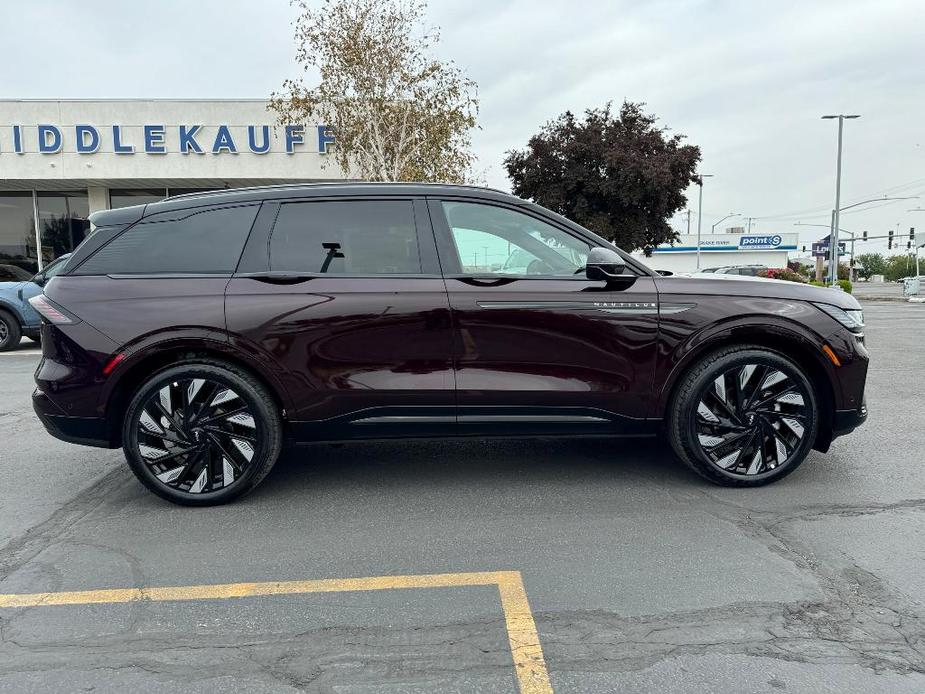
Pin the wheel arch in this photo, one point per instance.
(789, 343)
(8, 307)
(135, 370)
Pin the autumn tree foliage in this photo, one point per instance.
(397, 112)
(620, 175)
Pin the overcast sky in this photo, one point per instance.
(746, 81)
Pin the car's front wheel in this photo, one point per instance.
(201, 433)
(744, 416)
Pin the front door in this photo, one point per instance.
(538, 347)
(351, 307)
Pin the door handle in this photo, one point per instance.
(486, 281)
(278, 277)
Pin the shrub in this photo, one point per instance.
(844, 284)
(782, 273)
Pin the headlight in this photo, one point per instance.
(851, 318)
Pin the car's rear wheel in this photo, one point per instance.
(10, 332)
(202, 433)
(744, 416)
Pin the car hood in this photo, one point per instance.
(702, 283)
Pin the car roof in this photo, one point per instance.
(128, 215)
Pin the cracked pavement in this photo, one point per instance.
(641, 577)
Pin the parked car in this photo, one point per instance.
(200, 332)
(17, 317)
(744, 270)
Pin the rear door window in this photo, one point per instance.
(207, 242)
(362, 237)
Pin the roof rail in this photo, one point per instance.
(319, 184)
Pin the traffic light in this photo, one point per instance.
(864, 235)
(889, 240)
(912, 234)
(908, 245)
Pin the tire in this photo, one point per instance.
(189, 429)
(10, 332)
(744, 416)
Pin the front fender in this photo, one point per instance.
(13, 309)
(684, 340)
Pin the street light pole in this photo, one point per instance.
(833, 239)
(731, 214)
(700, 213)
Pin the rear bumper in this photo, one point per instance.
(86, 431)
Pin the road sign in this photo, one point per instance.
(821, 248)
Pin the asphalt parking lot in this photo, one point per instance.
(640, 577)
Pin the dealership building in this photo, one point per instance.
(60, 160)
(721, 250)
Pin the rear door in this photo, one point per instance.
(344, 298)
(539, 348)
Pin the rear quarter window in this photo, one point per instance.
(203, 242)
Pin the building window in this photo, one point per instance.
(139, 196)
(17, 231)
(63, 222)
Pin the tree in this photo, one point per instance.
(397, 113)
(622, 177)
(870, 264)
(899, 266)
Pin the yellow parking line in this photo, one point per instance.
(530, 666)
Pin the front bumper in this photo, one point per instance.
(86, 431)
(846, 421)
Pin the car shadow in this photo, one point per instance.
(472, 463)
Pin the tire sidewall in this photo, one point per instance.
(263, 452)
(13, 332)
(688, 413)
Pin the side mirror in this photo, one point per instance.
(39, 279)
(604, 264)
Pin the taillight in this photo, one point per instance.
(51, 311)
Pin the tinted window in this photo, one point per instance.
(371, 237)
(208, 242)
(500, 241)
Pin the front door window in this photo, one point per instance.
(499, 241)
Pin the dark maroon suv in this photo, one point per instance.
(202, 332)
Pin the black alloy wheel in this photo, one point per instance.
(746, 417)
(201, 434)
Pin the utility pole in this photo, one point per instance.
(749, 220)
(700, 213)
(688, 221)
(833, 239)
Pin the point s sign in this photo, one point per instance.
(759, 242)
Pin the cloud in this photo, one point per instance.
(746, 81)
